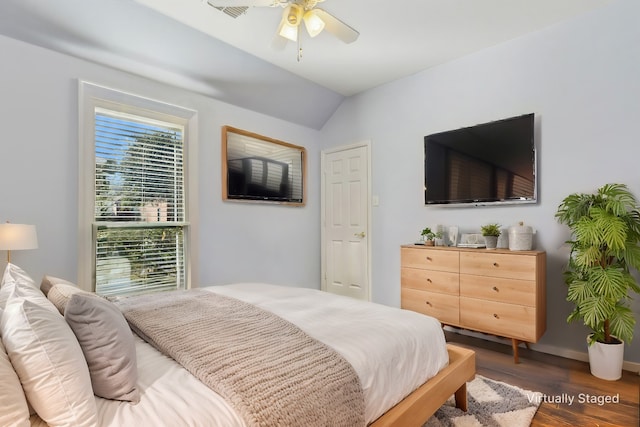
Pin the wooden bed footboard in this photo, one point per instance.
(416, 408)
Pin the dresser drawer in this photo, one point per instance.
(431, 259)
(441, 306)
(487, 263)
(509, 320)
(512, 291)
(430, 280)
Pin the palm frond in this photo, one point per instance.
(595, 310)
(587, 256)
(610, 228)
(610, 283)
(622, 323)
(631, 255)
(579, 290)
(618, 199)
(573, 207)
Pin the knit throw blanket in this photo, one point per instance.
(271, 372)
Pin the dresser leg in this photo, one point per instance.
(514, 345)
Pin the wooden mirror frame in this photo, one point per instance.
(297, 178)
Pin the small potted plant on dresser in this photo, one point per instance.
(605, 233)
(429, 236)
(491, 232)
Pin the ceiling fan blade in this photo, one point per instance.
(243, 3)
(336, 27)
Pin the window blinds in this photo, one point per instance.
(139, 204)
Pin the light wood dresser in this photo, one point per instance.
(498, 292)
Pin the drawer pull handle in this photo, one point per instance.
(429, 258)
(428, 303)
(496, 316)
(495, 264)
(495, 288)
(429, 280)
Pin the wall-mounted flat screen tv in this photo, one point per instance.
(489, 163)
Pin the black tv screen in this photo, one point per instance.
(489, 163)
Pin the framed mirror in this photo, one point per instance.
(257, 168)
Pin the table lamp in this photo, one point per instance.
(14, 237)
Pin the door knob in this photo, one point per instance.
(360, 234)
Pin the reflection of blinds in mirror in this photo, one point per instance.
(271, 177)
(275, 175)
(255, 172)
(259, 178)
(263, 169)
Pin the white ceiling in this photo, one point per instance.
(189, 44)
(397, 38)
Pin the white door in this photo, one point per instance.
(345, 221)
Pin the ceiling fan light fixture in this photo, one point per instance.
(289, 32)
(293, 13)
(285, 29)
(313, 23)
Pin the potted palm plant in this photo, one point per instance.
(491, 232)
(605, 232)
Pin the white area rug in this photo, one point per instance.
(490, 403)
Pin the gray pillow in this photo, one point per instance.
(108, 346)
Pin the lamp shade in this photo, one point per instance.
(14, 237)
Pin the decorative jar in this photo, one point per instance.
(520, 237)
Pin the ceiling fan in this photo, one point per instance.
(295, 12)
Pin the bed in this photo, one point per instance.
(404, 377)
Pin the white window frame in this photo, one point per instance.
(92, 96)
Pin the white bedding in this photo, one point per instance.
(393, 351)
(170, 396)
(389, 363)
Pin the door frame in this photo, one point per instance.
(323, 262)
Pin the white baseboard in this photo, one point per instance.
(543, 348)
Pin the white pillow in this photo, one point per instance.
(15, 411)
(108, 346)
(49, 362)
(11, 274)
(16, 278)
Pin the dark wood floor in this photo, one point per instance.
(555, 376)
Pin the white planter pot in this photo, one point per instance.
(605, 360)
(491, 242)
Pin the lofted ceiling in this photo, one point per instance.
(189, 44)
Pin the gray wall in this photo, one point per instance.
(39, 174)
(581, 78)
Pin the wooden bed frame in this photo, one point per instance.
(416, 408)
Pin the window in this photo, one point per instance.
(134, 199)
